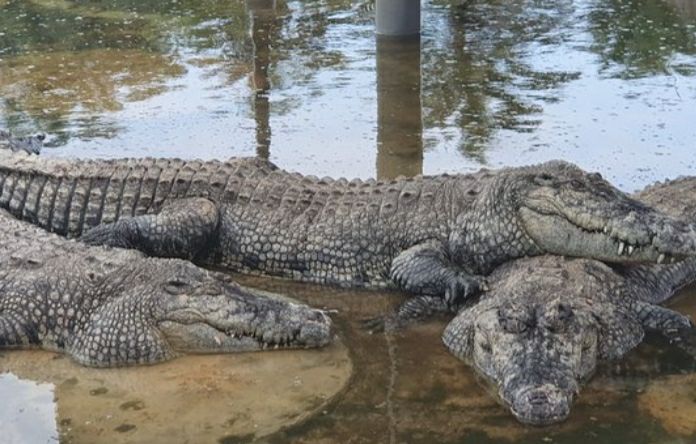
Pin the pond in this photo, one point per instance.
(607, 84)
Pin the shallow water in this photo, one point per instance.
(47, 397)
(607, 84)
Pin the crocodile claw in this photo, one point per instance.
(685, 339)
(381, 324)
(463, 287)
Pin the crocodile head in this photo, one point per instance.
(537, 337)
(199, 311)
(558, 208)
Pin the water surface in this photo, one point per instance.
(608, 84)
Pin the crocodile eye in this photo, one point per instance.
(577, 185)
(587, 343)
(485, 347)
(175, 287)
(544, 179)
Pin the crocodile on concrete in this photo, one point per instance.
(109, 307)
(30, 144)
(433, 236)
(540, 331)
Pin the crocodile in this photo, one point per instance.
(30, 144)
(109, 307)
(539, 332)
(429, 235)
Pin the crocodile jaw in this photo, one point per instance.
(559, 235)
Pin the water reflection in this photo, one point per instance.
(51, 89)
(478, 79)
(501, 82)
(637, 38)
(264, 30)
(399, 121)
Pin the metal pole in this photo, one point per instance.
(398, 17)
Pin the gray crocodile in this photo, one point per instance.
(432, 235)
(30, 144)
(110, 307)
(540, 331)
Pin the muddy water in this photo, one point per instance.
(191, 399)
(402, 388)
(607, 84)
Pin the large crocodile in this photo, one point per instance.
(427, 235)
(540, 331)
(110, 307)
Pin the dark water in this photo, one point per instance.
(607, 84)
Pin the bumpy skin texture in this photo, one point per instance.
(110, 307)
(539, 332)
(31, 144)
(432, 236)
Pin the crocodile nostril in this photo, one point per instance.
(537, 398)
(318, 316)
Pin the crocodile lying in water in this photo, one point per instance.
(429, 235)
(109, 307)
(540, 331)
(31, 144)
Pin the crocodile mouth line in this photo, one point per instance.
(622, 247)
(284, 341)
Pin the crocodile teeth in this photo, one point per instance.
(217, 340)
(606, 230)
(660, 258)
(630, 249)
(276, 347)
(621, 248)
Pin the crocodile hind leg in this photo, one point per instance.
(427, 270)
(674, 326)
(181, 229)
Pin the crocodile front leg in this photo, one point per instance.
(440, 286)
(427, 270)
(181, 229)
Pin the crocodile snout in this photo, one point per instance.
(541, 405)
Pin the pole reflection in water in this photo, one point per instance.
(263, 15)
(399, 126)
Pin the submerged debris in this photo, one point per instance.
(30, 144)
